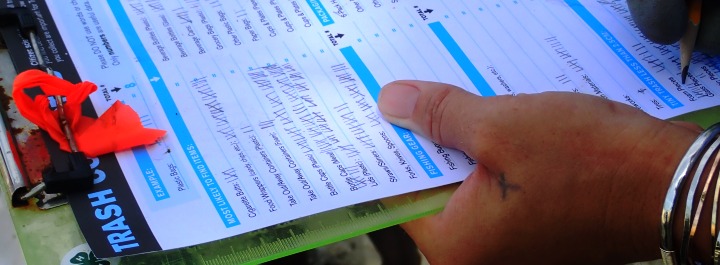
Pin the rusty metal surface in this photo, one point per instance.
(23, 148)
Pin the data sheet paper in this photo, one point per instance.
(270, 105)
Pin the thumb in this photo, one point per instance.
(441, 112)
(661, 21)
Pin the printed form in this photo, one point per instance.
(270, 105)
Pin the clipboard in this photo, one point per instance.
(372, 215)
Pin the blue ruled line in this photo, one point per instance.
(373, 87)
(320, 12)
(150, 173)
(462, 59)
(215, 194)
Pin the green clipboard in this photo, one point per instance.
(47, 235)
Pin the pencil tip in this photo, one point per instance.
(684, 73)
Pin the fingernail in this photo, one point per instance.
(398, 100)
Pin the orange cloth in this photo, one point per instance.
(119, 128)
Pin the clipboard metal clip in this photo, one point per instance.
(77, 176)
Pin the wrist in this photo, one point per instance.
(689, 183)
(655, 160)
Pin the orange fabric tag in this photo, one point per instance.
(119, 128)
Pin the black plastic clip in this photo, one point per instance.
(20, 17)
(78, 176)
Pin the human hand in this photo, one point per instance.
(665, 22)
(562, 178)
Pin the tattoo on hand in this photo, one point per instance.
(506, 186)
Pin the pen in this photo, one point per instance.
(687, 42)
